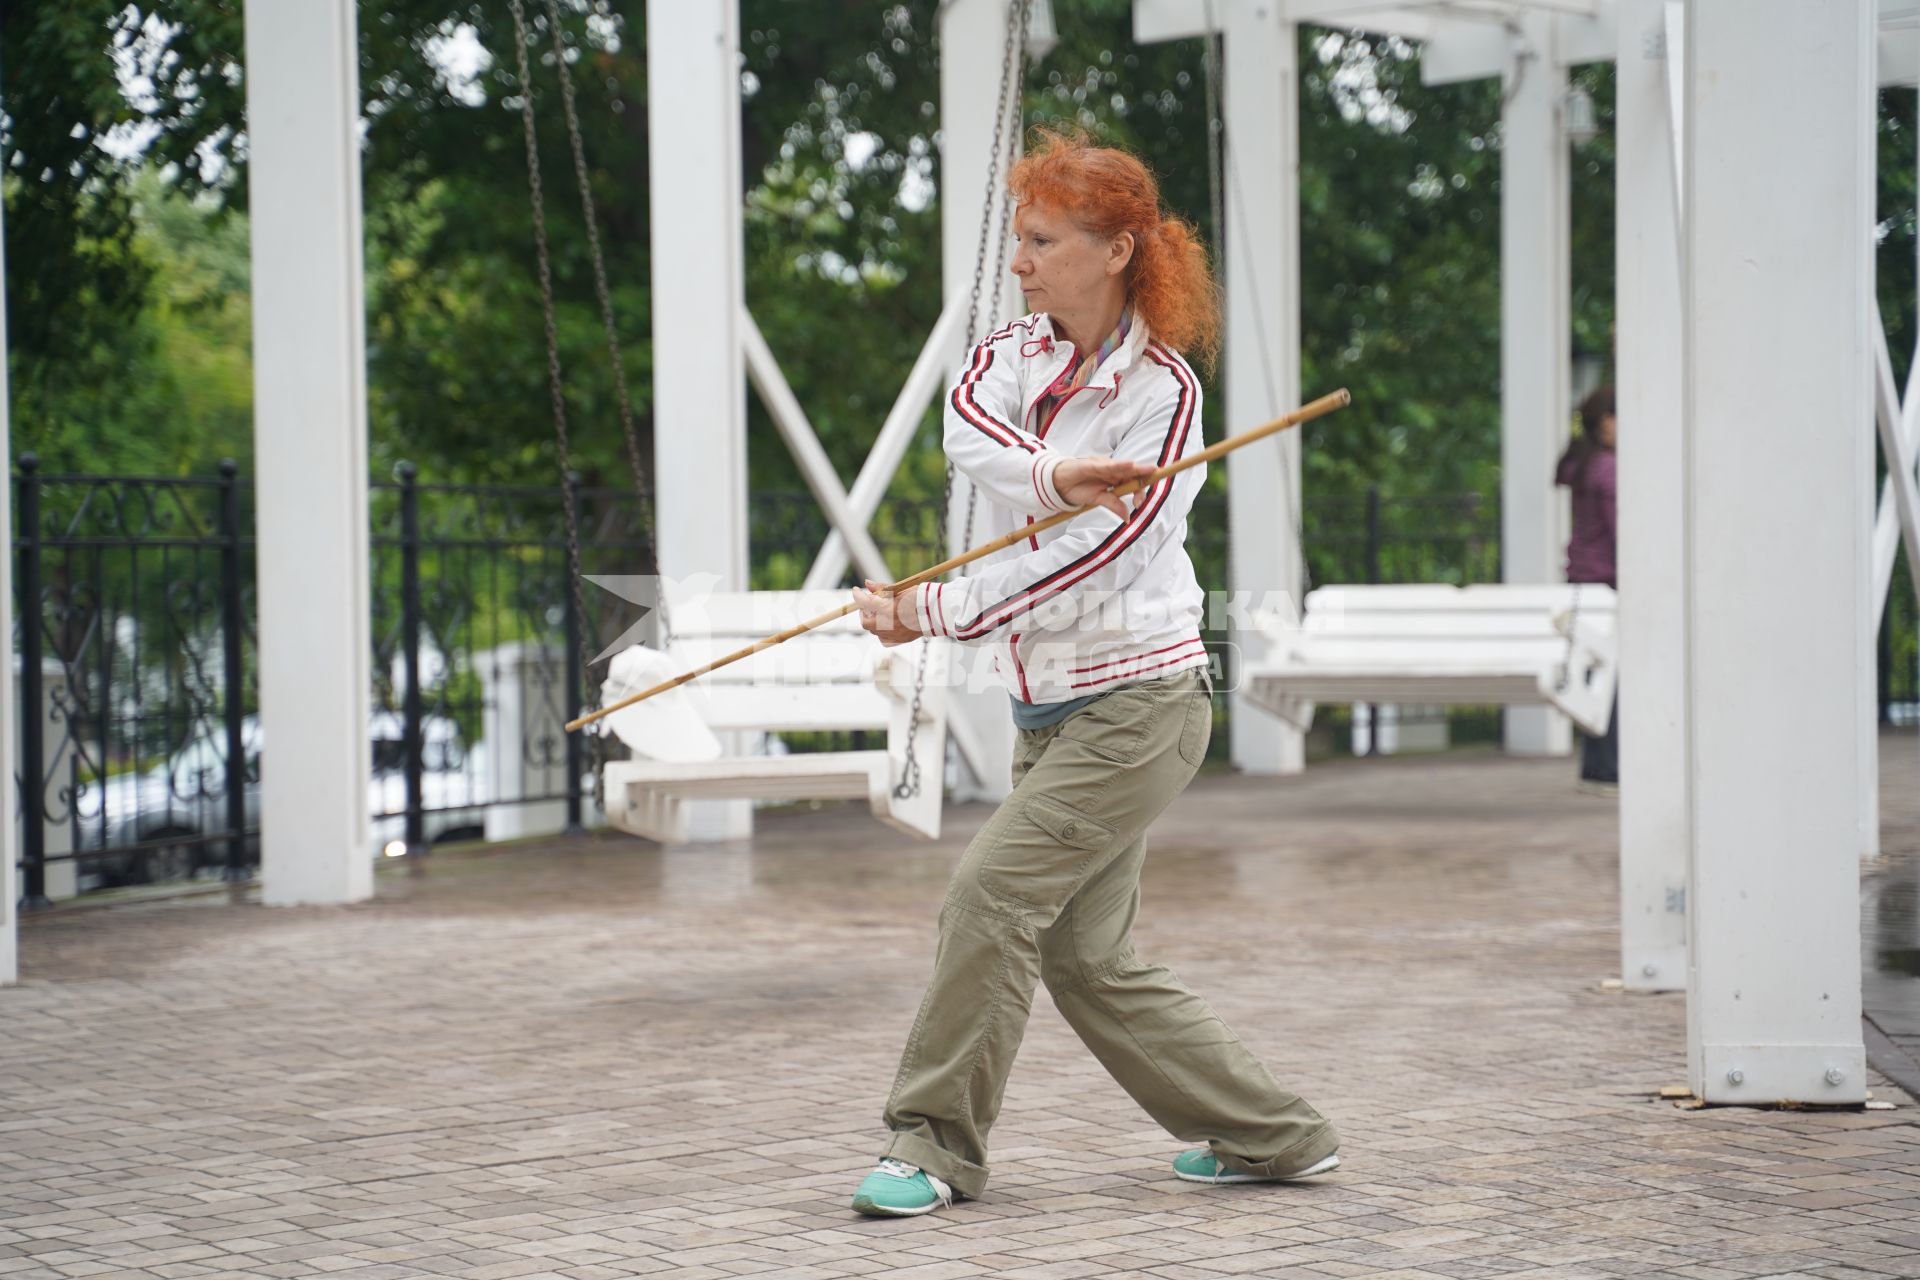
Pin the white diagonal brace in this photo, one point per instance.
(1897, 518)
(815, 467)
(890, 446)
(784, 408)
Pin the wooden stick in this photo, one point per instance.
(1306, 413)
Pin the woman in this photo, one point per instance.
(1094, 628)
(1587, 468)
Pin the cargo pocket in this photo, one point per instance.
(1045, 855)
(1198, 729)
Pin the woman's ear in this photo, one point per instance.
(1119, 253)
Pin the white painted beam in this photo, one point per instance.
(1462, 49)
(1471, 53)
(1779, 649)
(1158, 20)
(924, 382)
(310, 449)
(1536, 336)
(1581, 39)
(1899, 58)
(1574, 8)
(699, 381)
(1651, 619)
(1479, 51)
(1262, 279)
(1408, 22)
(790, 420)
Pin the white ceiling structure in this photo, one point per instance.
(1474, 39)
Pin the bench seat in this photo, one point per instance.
(835, 678)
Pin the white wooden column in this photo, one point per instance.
(1535, 339)
(973, 37)
(9, 721)
(1653, 775)
(699, 374)
(1262, 279)
(1778, 505)
(310, 448)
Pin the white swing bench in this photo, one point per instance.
(835, 678)
(1440, 645)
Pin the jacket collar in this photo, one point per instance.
(1042, 341)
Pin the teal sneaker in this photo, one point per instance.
(896, 1189)
(1200, 1166)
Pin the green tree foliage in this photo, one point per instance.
(168, 389)
(126, 294)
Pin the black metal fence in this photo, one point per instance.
(476, 644)
(135, 651)
(133, 654)
(135, 639)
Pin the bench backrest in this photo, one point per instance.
(1481, 628)
(1493, 611)
(822, 679)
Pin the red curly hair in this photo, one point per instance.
(1106, 191)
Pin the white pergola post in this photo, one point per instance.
(699, 375)
(1778, 465)
(1535, 338)
(310, 449)
(1262, 279)
(1653, 774)
(9, 720)
(972, 43)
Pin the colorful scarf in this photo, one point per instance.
(1050, 402)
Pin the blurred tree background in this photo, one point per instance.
(125, 189)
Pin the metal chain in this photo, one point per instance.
(642, 490)
(1215, 127)
(1013, 66)
(556, 388)
(1565, 676)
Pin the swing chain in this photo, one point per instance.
(556, 387)
(603, 294)
(1564, 676)
(1013, 68)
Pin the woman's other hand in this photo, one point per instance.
(895, 619)
(1091, 481)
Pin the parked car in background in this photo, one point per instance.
(170, 822)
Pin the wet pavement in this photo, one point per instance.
(595, 1058)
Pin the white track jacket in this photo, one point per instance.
(1097, 602)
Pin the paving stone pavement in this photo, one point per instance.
(594, 1058)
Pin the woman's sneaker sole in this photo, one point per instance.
(1326, 1165)
(863, 1204)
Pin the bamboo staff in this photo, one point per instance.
(1306, 413)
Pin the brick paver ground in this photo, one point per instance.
(598, 1059)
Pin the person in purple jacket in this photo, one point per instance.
(1587, 468)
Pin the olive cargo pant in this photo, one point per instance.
(1048, 891)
